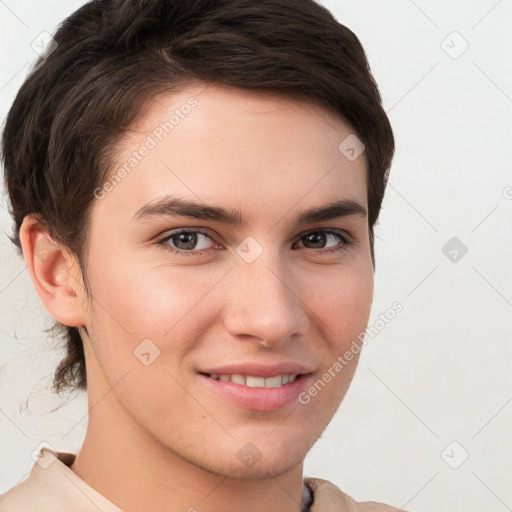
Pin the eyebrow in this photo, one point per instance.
(175, 206)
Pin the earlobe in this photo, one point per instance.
(55, 273)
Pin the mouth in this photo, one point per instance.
(253, 381)
(257, 393)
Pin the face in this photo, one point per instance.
(200, 314)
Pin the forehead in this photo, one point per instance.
(214, 142)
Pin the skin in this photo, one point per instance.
(158, 438)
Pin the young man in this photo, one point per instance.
(194, 186)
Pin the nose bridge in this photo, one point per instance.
(262, 301)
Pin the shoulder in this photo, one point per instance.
(42, 488)
(51, 486)
(327, 497)
(20, 498)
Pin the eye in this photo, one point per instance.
(314, 239)
(186, 241)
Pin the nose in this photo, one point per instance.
(264, 302)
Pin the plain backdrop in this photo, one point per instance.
(426, 424)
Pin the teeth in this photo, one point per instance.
(256, 382)
(273, 382)
(238, 379)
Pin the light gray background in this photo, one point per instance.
(440, 372)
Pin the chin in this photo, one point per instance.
(269, 466)
(274, 457)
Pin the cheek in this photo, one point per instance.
(344, 304)
(344, 308)
(144, 321)
(146, 298)
(136, 301)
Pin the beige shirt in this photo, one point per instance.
(53, 487)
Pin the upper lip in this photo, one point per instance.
(258, 369)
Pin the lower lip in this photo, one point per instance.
(258, 399)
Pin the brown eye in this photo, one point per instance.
(319, 239)
(315, 240)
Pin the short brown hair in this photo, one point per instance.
(110, 56)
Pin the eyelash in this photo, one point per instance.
(342, 237)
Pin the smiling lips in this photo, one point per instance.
(258, 387)
(256, 382)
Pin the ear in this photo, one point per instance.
(55, 273)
